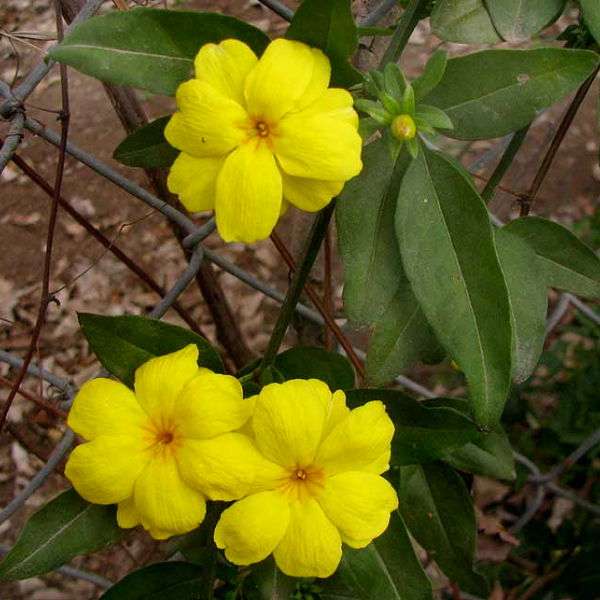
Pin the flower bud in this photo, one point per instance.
(403, 127)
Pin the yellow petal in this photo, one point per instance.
(208, 124)
(159, 381)
(289, 420)
(249, 193)
(194, 180)
(318, 82)
(127, 515)
(279, 80)
(210, 404)
(164, 501)
(357, 441)
(310, 194)
(311, 546)
(251, 528)
(335, 103)
(225, 67)
(106, 407)
(318, 147)
(358, 504)
(104, 470)
(225, 467)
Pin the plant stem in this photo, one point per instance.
(502, 167)
(309, 255)
(408, 22)
(556, 142)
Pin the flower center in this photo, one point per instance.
(262, 128)
(164, 437)
(302, 484)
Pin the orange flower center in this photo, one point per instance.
(302, 484)
(163, 437)
(262, 128)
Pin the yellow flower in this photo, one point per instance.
(256, 134)
(160, 451)
(320, 482)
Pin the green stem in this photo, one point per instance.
(309, 255)
(500, 171)
(408, 22)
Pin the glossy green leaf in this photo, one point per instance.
(402, 336)
(387, 569)
(463, 21)
(516, 20)
(491, 93)
(367, 242)
(65, 527)
(329, 25)
(147, 147)
(528, 299)
(448, 252)
(590, 10)
(270, 582)
(148, 48)
(161, 581)
(432, 74)
(438, 511)
(489, 455)
(305, 362)
(421, 433)
(566, 261)
(123, 343)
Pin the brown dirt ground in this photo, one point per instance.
(92, 280)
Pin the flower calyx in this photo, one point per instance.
(397, 110)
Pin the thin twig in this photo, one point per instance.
(557, 140)
(45, 299)
(107, 243)
(327, 291)
(319, 305)
(33, 398)
(311, 249)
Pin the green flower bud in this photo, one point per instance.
(403, 127)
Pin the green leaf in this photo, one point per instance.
(421, 433)
(271, 583)
(147, 147)
(528, 300)
(437, 508)
(65, 527)
(516, 20)
(306, 362)
(329, 25)
(491, 93)
(149, 48)
(161, 581)
(367, 242)
(432, 74)
(402, 336)
(394, 80)
(463, 21)
(447, 248)
(123, 343)
(489, 455)
(432, 116)
(566, 261)
(590, 9)
(387, 569)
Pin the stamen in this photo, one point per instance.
(262, 128)
(300, 474)
(164, 437)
